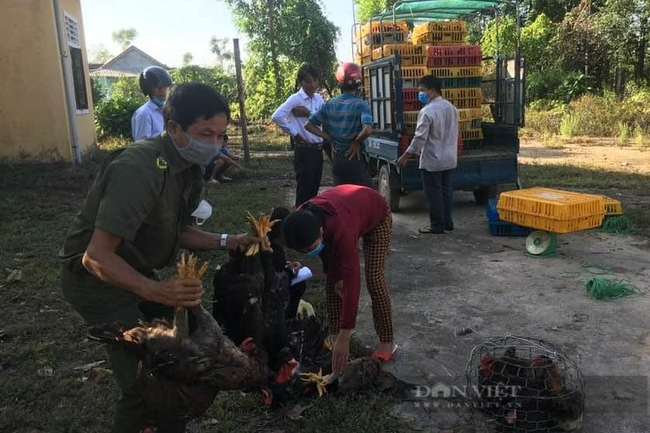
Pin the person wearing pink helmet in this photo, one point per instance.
(346, 122)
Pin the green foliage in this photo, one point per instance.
(574, 85)
(224, 82)
(544, 116)
(219, 47)
(187, 58)
(261, 87)
(98, 93)
(125, 37)
(366, 9)
(99, 54)
(500, 36)
(624, 132)
(569, 125)
(113, 117)
(593, 116)
(282, 36)
(535, 38)
(596, 116)
(128, 88)
(639, 136)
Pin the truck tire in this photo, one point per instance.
(484, 193)
(389, 187)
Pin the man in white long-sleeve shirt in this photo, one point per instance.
(436, 140)
(292, 117)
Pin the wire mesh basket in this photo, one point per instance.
(525, 385)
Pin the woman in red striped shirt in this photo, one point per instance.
(330, 226)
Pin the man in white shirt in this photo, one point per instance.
(436, 140)
(147, 121)
(291, 117)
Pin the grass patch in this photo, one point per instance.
(569, 125)
(568, 176)
(624, 132)
(552, 141)
(43, 339)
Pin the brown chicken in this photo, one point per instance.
(534, 393)
(180, 373)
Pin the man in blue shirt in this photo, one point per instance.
(147, 121)
(346, 122)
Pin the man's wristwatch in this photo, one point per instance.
(224, 240)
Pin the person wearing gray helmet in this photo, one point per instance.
(147, 121)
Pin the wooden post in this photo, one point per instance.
(242, 104)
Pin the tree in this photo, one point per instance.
(282, 35)
(99, 54)
(220, 48)
(125, 37)
(369, 8)
(500, 37)
(187, 58)
(224, 82)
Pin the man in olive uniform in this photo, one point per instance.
(135, 218)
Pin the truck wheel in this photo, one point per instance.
(389, 187)
(483, 194)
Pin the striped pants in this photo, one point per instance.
(375, 248)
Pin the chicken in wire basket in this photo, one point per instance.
(525, 385)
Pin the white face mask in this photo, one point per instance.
(203, 212)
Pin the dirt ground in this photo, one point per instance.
(455, 291)
(591, 153)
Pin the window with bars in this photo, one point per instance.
(76, 60)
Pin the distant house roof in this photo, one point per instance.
(129, 63)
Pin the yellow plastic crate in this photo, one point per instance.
(386, 27)
(440, 38)
(414, 71)
(401, 49)
(440, 26)
(378, 39)
(410, 117)
(471, 134)
(466, 93)
(457, 72)
(414, 61)
(612, 207)
(470, 113)
(552, 210)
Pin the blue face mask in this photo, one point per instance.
(159, 102)
(316, 251)
(423, 97)
(198, 152)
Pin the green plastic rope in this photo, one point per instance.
(617, 224)
(601, 288)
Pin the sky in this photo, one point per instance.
(167, 29)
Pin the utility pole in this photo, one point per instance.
(242, 104)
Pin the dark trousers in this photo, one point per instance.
(308, 164)
(350, 171)
(439, 192)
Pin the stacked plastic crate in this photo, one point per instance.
(371, 36)
(459, 66)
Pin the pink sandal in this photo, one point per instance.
(384, 356)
